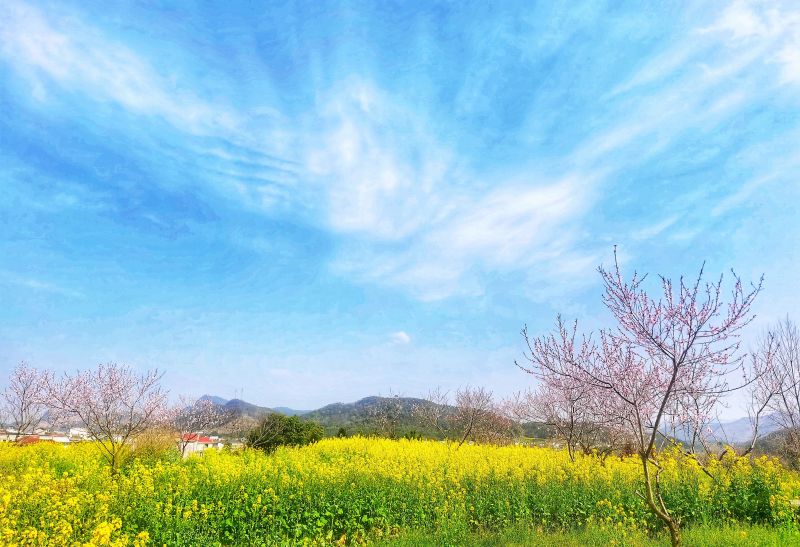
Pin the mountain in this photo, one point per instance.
(363, 415)
(741, 431)
(359, 417)
(736, 431)
(214, 399)
(366, 416)
(364, 406)
(239, 407)
(243, 408)
(286, 411)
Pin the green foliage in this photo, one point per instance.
(276, 430)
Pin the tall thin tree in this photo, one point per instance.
(666, 362)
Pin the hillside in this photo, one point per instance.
(239, 408)
(741, 430)
(393, 416)
(370, 415)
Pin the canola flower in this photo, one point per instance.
(352, 490)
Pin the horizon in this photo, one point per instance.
(306, 204)
(721, 420)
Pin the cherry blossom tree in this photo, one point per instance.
(570, 410)
(764, 384)
(778, 390)
(113, 402)
(190, 418)
(23, 401)
(435, 412)
(479, 418)
(387, 414)
(666, 363)
(471, 415)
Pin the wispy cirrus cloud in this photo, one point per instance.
(394, 182)
(771, 28)
(416, 215)
(77, 57)
(37, 285)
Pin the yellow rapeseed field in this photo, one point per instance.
(350, 490)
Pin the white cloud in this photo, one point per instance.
(37, 285)
(789, 59)
(773, 27)
(516, 226)
(77, 57)
(742, 195)
(413, 217)
(379, 165)
(411, 211)
(651, 231)
(740, 21)
(400, 337)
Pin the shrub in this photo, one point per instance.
(275, 430)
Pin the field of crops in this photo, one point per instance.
(351, 490)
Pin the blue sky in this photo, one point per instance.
(317, 201)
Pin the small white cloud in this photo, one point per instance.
(37, 285)
(651, 231)
(400, 337)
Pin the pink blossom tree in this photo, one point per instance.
(666, 363)
(778, 389)
(387, 414)
(570, 410)
(189, 419)
(23, 401)
(471, 414)
(113, 402)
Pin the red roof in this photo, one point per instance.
(195, 438)
(28, 439)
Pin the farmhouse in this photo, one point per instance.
(198, 442)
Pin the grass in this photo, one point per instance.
(700, 536)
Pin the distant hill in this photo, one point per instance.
(238, 407)
(741, 431)
(243, 408)
(359, 417)
(285, 410)
(363, 408)
(214, 399)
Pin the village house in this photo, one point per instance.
(44, 438)
(198, 443)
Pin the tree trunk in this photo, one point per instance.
(660, 512)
